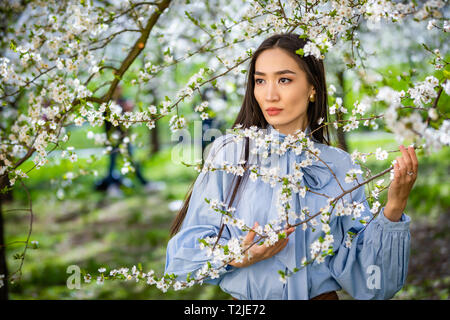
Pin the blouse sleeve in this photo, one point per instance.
(183, 255)
(375, 265)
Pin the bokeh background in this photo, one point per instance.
(74, 223)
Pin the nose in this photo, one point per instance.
(272, 92)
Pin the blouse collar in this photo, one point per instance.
(318, 174)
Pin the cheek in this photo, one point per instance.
(257, 94)
(296, 99)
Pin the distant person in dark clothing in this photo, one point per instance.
(118, 135)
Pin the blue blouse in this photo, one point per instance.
(373, 267)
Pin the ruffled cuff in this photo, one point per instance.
(218, 265)
(388, 225)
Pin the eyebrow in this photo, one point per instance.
(258, 73)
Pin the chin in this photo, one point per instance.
(277, 122)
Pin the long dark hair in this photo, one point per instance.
(250, 113)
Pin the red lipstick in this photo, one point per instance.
(273, 111)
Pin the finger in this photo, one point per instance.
(276, 247)
(406, 158)
(402, 166)
(415, 162)
(281, 245)
(251, 234)
(396, 170)
(290, 230)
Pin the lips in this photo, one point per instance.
(273, 111)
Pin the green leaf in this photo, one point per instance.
(300, 52)
(426, 47)
(5, 190)
(13, 46)
(446, 74)
(18, 256)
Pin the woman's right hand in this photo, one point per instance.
(260, 252)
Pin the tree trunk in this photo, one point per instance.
(154, 140)
(342, 141)
(3, 265)
(155, 145)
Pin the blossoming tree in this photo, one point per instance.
(62, 60)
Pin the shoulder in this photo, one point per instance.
(343, 166)
(333, 154)
(340, 159)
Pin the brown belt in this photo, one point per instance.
(332, 295)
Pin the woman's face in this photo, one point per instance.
(281, 84)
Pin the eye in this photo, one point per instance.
(283, 80)
(288, 80)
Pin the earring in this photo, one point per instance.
(312, 98)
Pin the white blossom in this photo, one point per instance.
(381, 154)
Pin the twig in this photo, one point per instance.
(22, 257)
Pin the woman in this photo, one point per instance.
(285, 93)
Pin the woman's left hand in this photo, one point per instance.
(405, 174)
